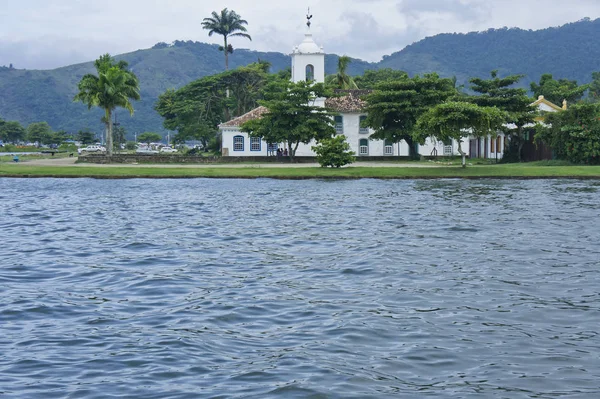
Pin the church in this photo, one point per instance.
(308, 63)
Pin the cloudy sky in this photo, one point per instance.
(42, 34)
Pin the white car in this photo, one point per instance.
(168, 149)
(145, 151)
(93, 148)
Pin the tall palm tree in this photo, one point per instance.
(226, 24)
(341, 80)
(114, 87)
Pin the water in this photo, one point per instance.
(299, 289)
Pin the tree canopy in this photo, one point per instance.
(395, 106)
(556, 91)
(113, 87)
(227, 24)
(293, 117)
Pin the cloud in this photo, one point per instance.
(51, 33)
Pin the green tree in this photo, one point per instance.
(114, 87)
(556, 91)
(341, 79)
(85, 137)
(454, 120)
(497, 92)
(573, 134)
(58, 137)
(39, 132)
(196, 110)
(371, 78)
(334, 152)
(149, 137)
(395, 106)
(119, 134)
(594, 87)
(11, 131)
(227, 24)
(292, 117)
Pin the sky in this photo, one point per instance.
(45, 34)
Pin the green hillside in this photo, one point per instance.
(569, 51)
(566, 52)
(33, 95)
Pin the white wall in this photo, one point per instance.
(299, 63)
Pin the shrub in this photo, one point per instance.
(334, 152)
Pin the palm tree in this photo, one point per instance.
(226, 24)
(341, 80)
(114, 87)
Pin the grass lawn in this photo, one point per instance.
(530, 170)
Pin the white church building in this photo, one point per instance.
(308, 63)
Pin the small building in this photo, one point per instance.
(493, 147)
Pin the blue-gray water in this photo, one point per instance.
(299, 289)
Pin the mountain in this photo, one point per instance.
(568, 51)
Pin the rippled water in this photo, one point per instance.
(299, 289)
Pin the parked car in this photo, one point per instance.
(168, 149)
(145, 151)
(93, 148)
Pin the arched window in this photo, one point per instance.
(363, 147)
(238, 143)
(388, 149)
(310, 73)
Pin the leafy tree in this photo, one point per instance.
(573, 134)
(371, 78)
(556, 91)
(395, 106)
(85, 137)
(594, 87)
(334, 152)
(149, 137)
(341, 80)
(119, 134)
(114, 87)
(227, 24)
(455, 119)
(58, 137)
(196, 110)
(292, 117)
(497, 92)
(11, 131)
(130, 145)
(39, 132)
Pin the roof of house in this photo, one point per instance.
(348, 101)
(248, 116)
(542, 100)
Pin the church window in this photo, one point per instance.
(387, 148)
(363, 147)
(238, 143)
(339, 124)
(361, 129)
(255, 143)
(310, 73)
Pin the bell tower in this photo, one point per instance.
(308, 59)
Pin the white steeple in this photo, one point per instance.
(308, 59)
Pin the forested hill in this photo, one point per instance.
(569, 51)
(33, 95)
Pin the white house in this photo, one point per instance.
(308, 63)
(493, 147)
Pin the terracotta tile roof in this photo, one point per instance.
(349, 101)
(254, 114)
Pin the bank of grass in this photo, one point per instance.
(531, 170)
